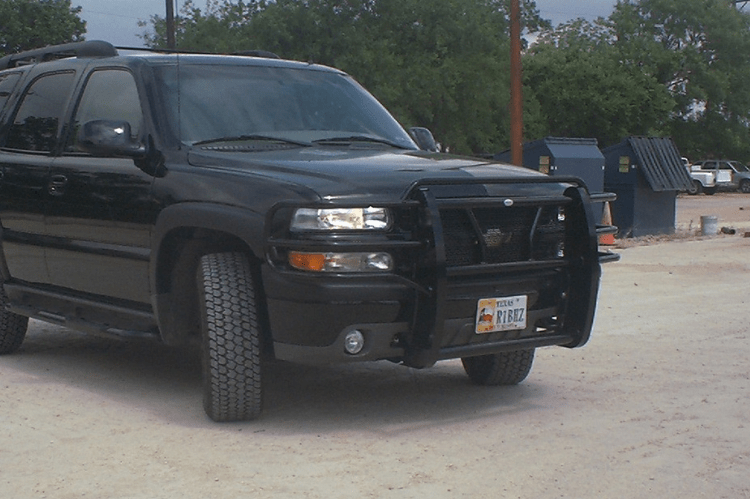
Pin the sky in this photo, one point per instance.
(116, 21)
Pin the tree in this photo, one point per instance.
(219, 28)
(29, 24)
(700, 51)
(586, 89)
(661, 67)
(441, 64)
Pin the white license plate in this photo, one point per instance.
(501, 314)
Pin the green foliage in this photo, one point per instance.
(700, 51)
(29, 24)
(222, 27)
(586, 90)
(657, 67)
(441, 64)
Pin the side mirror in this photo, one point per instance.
(109, 138)
(424, 139)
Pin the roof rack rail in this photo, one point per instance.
(247, 53)
(93, 48)
(257, 53)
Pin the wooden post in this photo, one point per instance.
(170, 25)
(516, 96)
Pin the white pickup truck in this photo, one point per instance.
(703, 181)
(730, 175)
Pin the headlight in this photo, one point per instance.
(341, 219)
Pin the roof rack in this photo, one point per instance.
(93, 48)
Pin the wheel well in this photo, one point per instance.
(179, 254)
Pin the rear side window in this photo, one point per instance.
(109, 95)
(7, 84)
(36, 124)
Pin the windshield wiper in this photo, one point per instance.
(239, 138)
(357, 138)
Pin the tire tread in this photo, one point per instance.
(231, 338)
(13, 327)
(504, 368)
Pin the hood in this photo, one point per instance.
(336, 174)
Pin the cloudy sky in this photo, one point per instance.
(117, 21)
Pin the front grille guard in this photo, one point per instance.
(423, 346)
(424, 349)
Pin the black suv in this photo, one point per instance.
(267, 209)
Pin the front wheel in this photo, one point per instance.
(745, 186)
(231, 338)
(504, 368)
(12, 327)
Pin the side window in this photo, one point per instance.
(723, 165)
(37, 121)
(109, 95)
(7, 84)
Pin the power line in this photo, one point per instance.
(108, 14)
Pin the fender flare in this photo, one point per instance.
(240, 224)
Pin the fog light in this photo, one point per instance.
(354, 342)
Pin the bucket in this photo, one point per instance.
(709, 225)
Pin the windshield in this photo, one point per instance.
(209, 103)
(740, 167)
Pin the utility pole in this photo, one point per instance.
(516, 97)
(170, 25)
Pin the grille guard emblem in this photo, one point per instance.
(494, 238)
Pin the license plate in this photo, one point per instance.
(501, 314)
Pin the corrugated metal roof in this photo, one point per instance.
(661, 164)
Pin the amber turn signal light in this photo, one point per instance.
(307, 261)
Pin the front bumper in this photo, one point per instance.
(426, 309)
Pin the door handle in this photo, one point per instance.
(57, 184)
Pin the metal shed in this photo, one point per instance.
(646, 173)
(562, 156)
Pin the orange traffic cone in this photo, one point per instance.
(607, 239)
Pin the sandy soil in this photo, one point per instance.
(656, 405)
(732, 210)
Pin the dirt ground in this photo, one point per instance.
(656, 405)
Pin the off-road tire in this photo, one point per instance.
(12, 327)
(695, 188)
(231, 338)
(504, 368)
(745, 186)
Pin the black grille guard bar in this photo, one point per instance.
(599, 197)
(424, 348)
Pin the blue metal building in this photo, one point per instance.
(646, 173)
